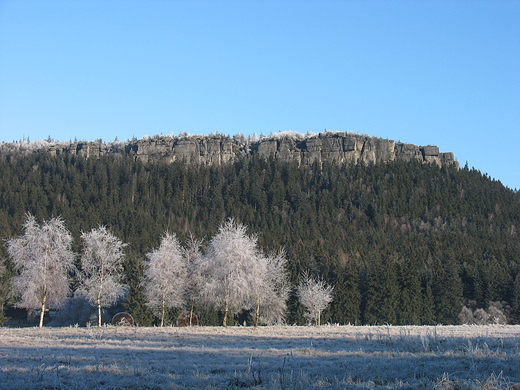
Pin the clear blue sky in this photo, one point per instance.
(445, 73)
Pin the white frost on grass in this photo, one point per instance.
(328, 357)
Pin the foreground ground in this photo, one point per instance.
(329, 357)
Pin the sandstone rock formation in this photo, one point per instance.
(219, 149)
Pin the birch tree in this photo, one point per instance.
(44, 262)
(165, 276)
(101, 268)
(227, 269)
(315, 295)
(270, 290)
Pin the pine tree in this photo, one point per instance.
(5, 288)
(194, 280)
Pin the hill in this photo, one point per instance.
(405, 241)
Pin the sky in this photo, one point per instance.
(443, 73)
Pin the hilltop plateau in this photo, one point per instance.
(218, 149)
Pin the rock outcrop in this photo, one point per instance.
(219, 149)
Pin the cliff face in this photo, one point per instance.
(218, 149)
(348, 148)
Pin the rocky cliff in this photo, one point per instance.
(220, 149)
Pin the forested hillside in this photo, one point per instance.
(402, 242)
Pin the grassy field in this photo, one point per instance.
(328, 357)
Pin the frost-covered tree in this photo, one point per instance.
(44, 262)
(315, 295)
(466, 316)
(270, 290)
(101, 268)
(496, 313)
(194, 280)
(227, 269)
(165, 276)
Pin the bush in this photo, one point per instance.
(496, 313)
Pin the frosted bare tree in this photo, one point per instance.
(194, 280)
(270, 289)
(101, 268)
(165, 276)
(496, 313)
(44, 261)
(227, 269)
(315, 295)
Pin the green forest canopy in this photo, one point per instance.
(402, 242)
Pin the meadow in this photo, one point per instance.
(278, 357)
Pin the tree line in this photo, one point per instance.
(401, 242)
(232, 276)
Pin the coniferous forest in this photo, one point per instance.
(401, 242)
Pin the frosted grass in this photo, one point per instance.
(329, 357)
